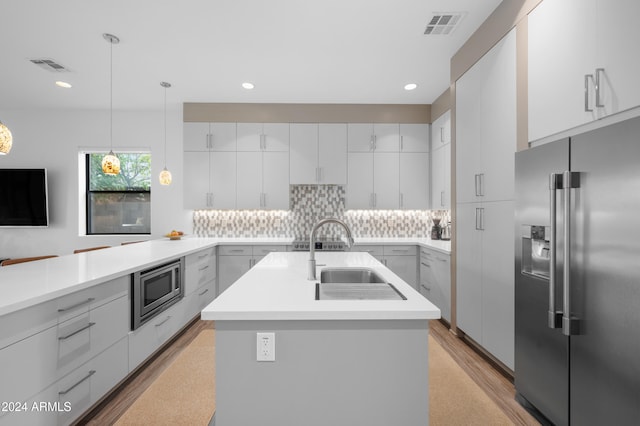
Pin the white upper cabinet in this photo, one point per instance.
(195, 136)
(249, 180)
(275, 180)
(332, 153)
(209, 136)
(441, 162)
(360, 181)
(304, 153)
(386, 180)
(380, 137)
(272, 137)
(318, 154)
(486, 126)
(582, 62)
(414, 138)
(414, 180)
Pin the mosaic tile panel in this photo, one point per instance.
(308, 204)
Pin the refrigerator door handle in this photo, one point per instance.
(554, 316)
(570, 324)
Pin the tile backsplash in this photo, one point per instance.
(308, 204)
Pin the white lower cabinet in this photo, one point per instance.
(196, 301)
(235, 261)
(145, 340)
(485, 285)
(435, 279)
(401, 259)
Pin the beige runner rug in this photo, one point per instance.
(454, 398)
(184, 394)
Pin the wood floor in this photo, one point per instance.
(496, 386)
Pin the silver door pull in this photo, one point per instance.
(91, 324)
(587, 77)
(570, 324)
(66, 391)
(68, 308)
(554, 317)
(599, 104)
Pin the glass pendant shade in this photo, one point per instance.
(165, 177)
(6, 140)
(110, 164)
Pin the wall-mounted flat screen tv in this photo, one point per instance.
(23, 198)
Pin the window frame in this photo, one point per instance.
(88, 191)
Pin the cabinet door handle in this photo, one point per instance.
(426, 288)
(401, 143)
(205, 290)
(236, 251)
(68, 308)
(442, 198)
(91, 324)
(425, 264)
(401, 200)
(481, 176)
(66, 391)
(476, 178)
(598, 87)
(375, 199)
(163, 321)
(587, 77)
(202, 268)
(442, 134)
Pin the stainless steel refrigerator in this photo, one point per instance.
(577, 307)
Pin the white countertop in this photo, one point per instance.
(277, 289)
(27, 284)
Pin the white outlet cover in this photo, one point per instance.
(265, 346)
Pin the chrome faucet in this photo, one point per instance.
(312, 242)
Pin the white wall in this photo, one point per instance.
(53, 138)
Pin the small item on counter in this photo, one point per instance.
(175, 235)
(445, 234)
(436, 230)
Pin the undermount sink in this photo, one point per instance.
(355, 284)
(350, 275)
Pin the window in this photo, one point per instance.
(119, 204)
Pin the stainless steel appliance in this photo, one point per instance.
(577, 294)
(155, 289)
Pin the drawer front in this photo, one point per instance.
(235, 251)
(39, 360)
(373, 250)
(263, 250)
(200, 268)
(147, 339)
(30, 321)
(198, 300)
(400, 250)
(72, 395)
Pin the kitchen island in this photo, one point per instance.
(337, 362)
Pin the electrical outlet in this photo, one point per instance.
(266, 347)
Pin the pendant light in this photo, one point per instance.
(6, 140)
(110, 163)
(165, 175)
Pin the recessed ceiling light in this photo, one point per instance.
(63, 84)
(410, 86)
(248, 85)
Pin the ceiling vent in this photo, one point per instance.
(49, 65)
(443, 23)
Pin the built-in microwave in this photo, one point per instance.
(155, 289)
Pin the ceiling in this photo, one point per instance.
(293, 51)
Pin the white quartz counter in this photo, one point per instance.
(277, 289)
(27, 284)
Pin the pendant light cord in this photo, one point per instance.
(111, 96)
(165, 127)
